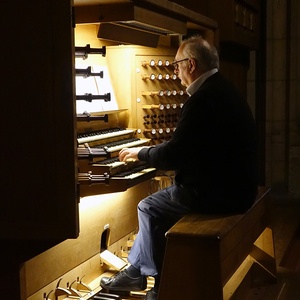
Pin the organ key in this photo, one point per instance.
(102, 135)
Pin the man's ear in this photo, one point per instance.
(192, 64)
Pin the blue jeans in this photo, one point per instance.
(156, 215)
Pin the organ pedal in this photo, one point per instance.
(112, 260)
(106, 296)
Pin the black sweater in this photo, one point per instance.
(213, 150)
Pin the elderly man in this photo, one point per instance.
(213, 153)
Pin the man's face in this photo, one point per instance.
(181, 68)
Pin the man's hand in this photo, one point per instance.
(127, 154)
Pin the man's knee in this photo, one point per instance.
(144, 204)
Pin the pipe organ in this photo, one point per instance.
(130, 97)
(127, 95)
(148, 116)
(153, 108)
(118, 55)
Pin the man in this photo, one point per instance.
(213, 154)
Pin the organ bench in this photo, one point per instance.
(214, 257)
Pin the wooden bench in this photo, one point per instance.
(218, 257)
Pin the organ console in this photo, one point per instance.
(98, 155)
(109, 190)
(100, 135)
(98, 148)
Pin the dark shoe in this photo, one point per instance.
(151, 295)
(122, 282)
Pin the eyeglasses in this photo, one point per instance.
(176, 62)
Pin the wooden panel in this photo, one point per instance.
(238, 20)
(118, 210)
(122, 34)
(39, 194)
(190, 270)
(104, 13)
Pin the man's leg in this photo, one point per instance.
(156, 214)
